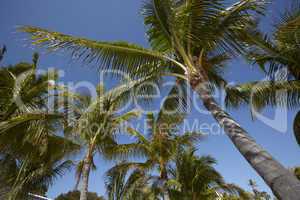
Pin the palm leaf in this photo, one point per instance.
(13, 122)
(117, 55)
(263, 93)
(157, 18)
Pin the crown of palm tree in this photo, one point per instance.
(178, 31)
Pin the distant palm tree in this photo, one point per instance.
(31, 154)
(158, 148)
(194, 177)
(190, 40)
(123, 185)
(188, 177)
(97, 121)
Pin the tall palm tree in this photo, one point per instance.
(190, 40)
(31, 153)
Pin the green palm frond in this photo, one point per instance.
(132, 150)
(117, 55)
(36, 172)
(265, 52)
(103, 110)
(234, 22)
(200, 15)
(138, 135)
(143, 166)
(263, 93)
(25, 118)
(188, 139)
(125, 185)
(127, 116)
(114, 183)
(151, 123)
(280, 48)
(287, 30)
(158, 19)
(214, 27)
(196, 175)
(135, 185)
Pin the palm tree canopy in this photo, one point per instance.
(31, 153)
(178, 32)
(194, 176)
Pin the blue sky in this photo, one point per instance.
(120, 20)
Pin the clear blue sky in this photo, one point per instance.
(120, 20)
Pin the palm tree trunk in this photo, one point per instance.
(163, 174)
(283, 183)
(85, 175)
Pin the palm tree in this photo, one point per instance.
(122, 185)
(274, 55)
(22, 176)
(190, 40)
(194, 177)
(158, 148)
(189, 177)
(31, 154)
(96, 124)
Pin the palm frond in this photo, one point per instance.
(141, 138)
(18, 120)
(287, 30)
(125, 151)
(120, 56)
(157, 18)
(263, 93)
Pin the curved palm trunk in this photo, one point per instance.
(85, 175)
(283, 183)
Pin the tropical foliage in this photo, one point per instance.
(278, 57)
(97, 121)
(31, 154)
(190, 40)
(163, 131)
